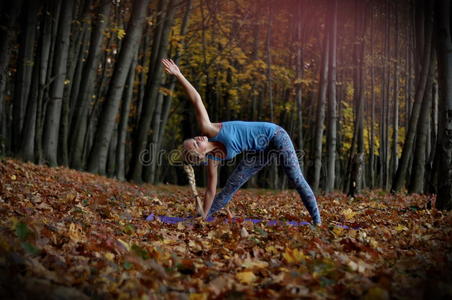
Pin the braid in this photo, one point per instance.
(192, 181)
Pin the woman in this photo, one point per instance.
(261, 141)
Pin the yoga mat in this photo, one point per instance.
(175, 220)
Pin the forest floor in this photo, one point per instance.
(73, 235)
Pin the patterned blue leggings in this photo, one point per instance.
(281, 147)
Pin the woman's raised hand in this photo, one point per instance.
(170, 67)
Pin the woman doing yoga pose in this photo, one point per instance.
(261, 142)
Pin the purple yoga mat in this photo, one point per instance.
(175, 220)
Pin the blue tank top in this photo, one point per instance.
(239, 136)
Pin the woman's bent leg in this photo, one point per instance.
(289, 160)
(246, 168)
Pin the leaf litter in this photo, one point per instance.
(77, 235)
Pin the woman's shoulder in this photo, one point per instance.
(213, 130)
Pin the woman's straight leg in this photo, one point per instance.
(287, 157)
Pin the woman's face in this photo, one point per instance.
(198, 144)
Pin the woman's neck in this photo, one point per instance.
(215, 147)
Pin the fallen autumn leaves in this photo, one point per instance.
(74, 235)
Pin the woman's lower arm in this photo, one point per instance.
(208, 199)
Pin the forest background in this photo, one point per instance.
(357, 85)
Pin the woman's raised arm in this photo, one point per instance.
(202, 117)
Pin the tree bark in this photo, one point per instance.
(419, 159)
(123, 123)
(87, 86)
(98, 155)
(319, 127)
(24, 71)
(444, 146)
(7, 34)
(402, 169)
(52, 122)
(150, 98)
(51, 12)
(172, 79)
(395, 111)
(356, 159)
(157, 122)
(332, 118)
(372, 108)
(29, 129)
(76, 62)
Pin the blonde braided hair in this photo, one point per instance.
(192, 181)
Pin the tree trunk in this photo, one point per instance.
(157, 123)
(98, 155)
(51, 11)
(356, 159)
(372, 109)
(402, 169)
(27, 149)
(76, 60)
(395, 119)
(123, 123)
(332, 119)
(110, 169)
(419, 159)
(431, 168)
(52, 122)
(24, 71)
(151, 95)
(386, 105)
(7, 34)
(87, 86)
(172, 79)
(444, 146)
(319, 126)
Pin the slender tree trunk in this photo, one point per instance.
(7, 34)
(110, 169)
(87, 86)
(402, 169)
(44, 58)
(269, 60)
(157, 123)
(27, 149)
(76, 60)
(24, 72)
(419, 159)
(298, 87)
(332, 119)
(372, 109)
(151, 95)
(357, 159)
(319, 127)
(381, 150)
(172, 80)
(98, 156)
(123, 123)
(431, 168)
(52, 122)
(444, 146)
(387, 113)
(395, 119)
